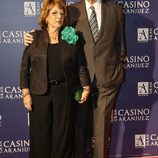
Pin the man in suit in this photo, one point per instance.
(105, 58)
(105, 54)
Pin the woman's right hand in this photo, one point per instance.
(28, 38)
(85, 94)
(27, 100)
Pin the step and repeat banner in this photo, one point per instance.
(135, 127)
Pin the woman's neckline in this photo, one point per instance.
(53, 43)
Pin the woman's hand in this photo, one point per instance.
(85, 94)
(27, 100)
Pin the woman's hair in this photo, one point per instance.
(47, 6)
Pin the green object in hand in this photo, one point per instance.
(78, 94)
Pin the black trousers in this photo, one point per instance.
(52, 125)
(84, 129)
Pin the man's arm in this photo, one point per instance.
(121, 20)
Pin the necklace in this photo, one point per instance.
(53, 35)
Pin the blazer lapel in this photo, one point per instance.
(43, 42)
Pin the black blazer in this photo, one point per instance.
(33, 73)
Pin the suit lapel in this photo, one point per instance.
(104, 20)
(84, 22)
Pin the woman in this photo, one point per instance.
(50, 71)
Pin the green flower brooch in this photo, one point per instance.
(69, 34)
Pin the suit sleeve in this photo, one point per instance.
(121, 23)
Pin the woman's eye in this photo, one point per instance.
(62, 14)
(54, 13)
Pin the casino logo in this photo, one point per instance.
(131, 115)
(10, 93)
(146, 140)
(138, 62)
(145, 35)
(135, 7)
(31, 9)
(147, 88)
(143, 88)
(11, 36)
(142, 35)
(141, 140)
(11, 146)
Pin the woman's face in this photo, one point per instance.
(55, 17)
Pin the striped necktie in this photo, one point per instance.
(93, 23)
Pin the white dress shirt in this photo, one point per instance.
(97, 6)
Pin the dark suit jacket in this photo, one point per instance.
(33, 73)
(105, 57)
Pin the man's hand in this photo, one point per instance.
(28, 38)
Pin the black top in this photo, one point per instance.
(55, 69)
